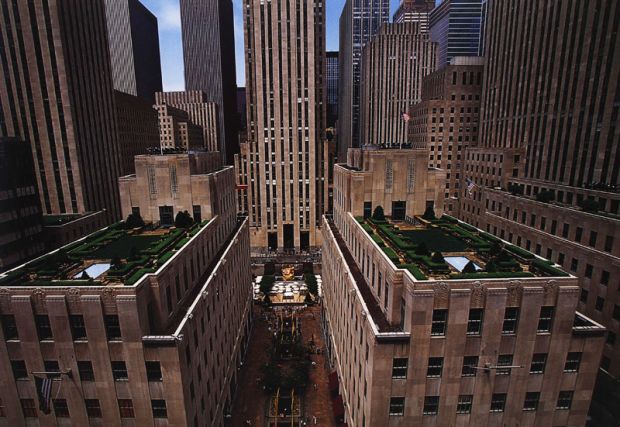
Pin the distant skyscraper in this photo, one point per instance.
(357, 25)
(134, 48)
(332, 88)
(56, 92)
(394, 62)
(199, 111)
(284, 163)
(455, 26)
(414, 11)
(209, 57)
(241, 107)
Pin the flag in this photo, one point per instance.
(470, 186)
(44, 392)
(406, 117)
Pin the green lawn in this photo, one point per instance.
(435, 240)
(121, 247)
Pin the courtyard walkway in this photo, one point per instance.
(251, 401)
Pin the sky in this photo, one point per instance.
(171, 49)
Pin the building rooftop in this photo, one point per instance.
(113, 256)
(446, 248)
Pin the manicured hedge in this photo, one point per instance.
(414, 270)
(546, 268)
(520, 252)
(497, 275)
(391, 254)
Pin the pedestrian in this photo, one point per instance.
(314, 419)
(315, 386)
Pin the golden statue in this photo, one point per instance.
(288, 273)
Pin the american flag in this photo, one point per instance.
(406, 117)
(44, 392)
(470, 186)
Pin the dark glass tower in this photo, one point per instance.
(332, 88)
(209, 57)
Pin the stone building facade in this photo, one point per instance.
(446, 121)
(414, 11)
(488, 351)
(394, 61)
(162, 348)
(176, 130)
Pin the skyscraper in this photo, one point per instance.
(455, 25)
(547, 168)
(134, 48)
(56, 93)
(284, 162)
(209, 58)
(414, 11)
(358, 23)
(332, 87)
(394, 62)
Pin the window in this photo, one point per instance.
(474, 324)
(85, 367)
(578, 233)
(588, 271)
(431, 405)
(78, 329)
(539, 360)
(44, 330)
(153, 371)
(511, 318)
(435, 366)
(611, 338)
(93, 408)
(51, 366)
(583, 297)
(125, 407)
(112, 327)
(609, 243)
(616, 312)
(399, 367)
(593, 236)
(605, 277)
(531, 401)
(60, 408)
(119, 371)
(439, 322)
(498, 402)
(503, 360)
(397, 406)
(600, 302)
(573, 360)
(19, 369)
(469, 366)
(28, 408)
(565, 399)
(464, 404)
(546, 319)
(159, 408)
(9, 327)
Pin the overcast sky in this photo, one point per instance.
(169, 20)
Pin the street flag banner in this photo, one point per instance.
(406, 117)
(44, 392)
(470, 186)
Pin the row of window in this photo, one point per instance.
(93, 408)
(76, 323)
(470, 365)
(498, 403)
(85, 369)
(476, 316)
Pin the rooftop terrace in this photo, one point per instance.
(114, 255)
(446, 248)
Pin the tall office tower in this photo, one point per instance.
(145, 325)
(284, 163)
(242, 110)
(134, 48)
(209, 58)
(138, 128)
(56, 92)
(176, 130)
(455, 25)
(394, 62)
(199, 111)
(447, 120)
(547, 167)
(20, 207)
(358, 23)
(414, 11)
(332, 74)
(476, 334)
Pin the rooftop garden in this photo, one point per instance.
(445, 248)
(119, 254)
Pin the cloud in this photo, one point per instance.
(168, 15)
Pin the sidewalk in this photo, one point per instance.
(250, 402)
